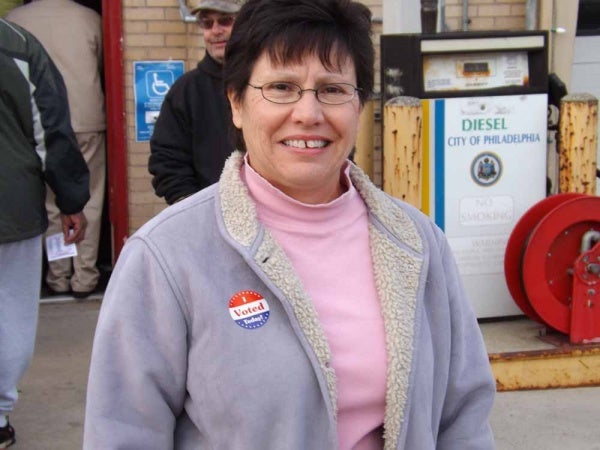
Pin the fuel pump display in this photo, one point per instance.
(475, 72)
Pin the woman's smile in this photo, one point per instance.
(306, 143)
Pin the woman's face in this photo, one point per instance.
(298, 147)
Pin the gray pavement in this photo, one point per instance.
(50, 412)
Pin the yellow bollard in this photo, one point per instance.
(577, 143)
(365, 145)
(402, 149)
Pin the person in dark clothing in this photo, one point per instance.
(190, 141)
(37, 146)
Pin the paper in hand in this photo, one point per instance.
(56, 248)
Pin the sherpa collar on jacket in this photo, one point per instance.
(397, 251)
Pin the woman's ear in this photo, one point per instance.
(236, 107)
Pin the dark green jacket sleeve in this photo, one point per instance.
(37, 143)
(65, 169)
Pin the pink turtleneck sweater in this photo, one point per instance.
(328, 245)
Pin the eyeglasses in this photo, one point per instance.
(207, 23)
(285, 92)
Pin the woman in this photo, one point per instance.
(293, 305)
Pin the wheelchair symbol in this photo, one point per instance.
(158, 83)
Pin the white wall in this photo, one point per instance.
(560, 15)
(401, 16)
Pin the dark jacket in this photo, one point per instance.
(37, 143)
(190, 141)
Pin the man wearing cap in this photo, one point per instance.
(190, 141)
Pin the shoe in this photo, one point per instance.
(7, 436)
(80, 295)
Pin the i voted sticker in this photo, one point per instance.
(249, 309)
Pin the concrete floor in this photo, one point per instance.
(50, 412)
(513, 334)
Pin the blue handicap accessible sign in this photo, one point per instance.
(152, 81)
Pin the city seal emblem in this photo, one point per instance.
(486, 169)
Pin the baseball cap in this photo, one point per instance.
(224, 6)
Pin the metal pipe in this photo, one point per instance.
(465, 17)
(442, 16)
(531, 15)
(589, 239)
(116, 145)
(186, 16)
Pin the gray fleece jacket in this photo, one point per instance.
(181, 361)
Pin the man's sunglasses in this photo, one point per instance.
(207, 23)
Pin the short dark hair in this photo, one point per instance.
(288, 30)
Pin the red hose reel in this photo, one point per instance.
(552, 265)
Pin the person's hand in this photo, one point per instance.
(73, 227)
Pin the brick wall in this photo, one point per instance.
(154, 30)
(486, 14)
